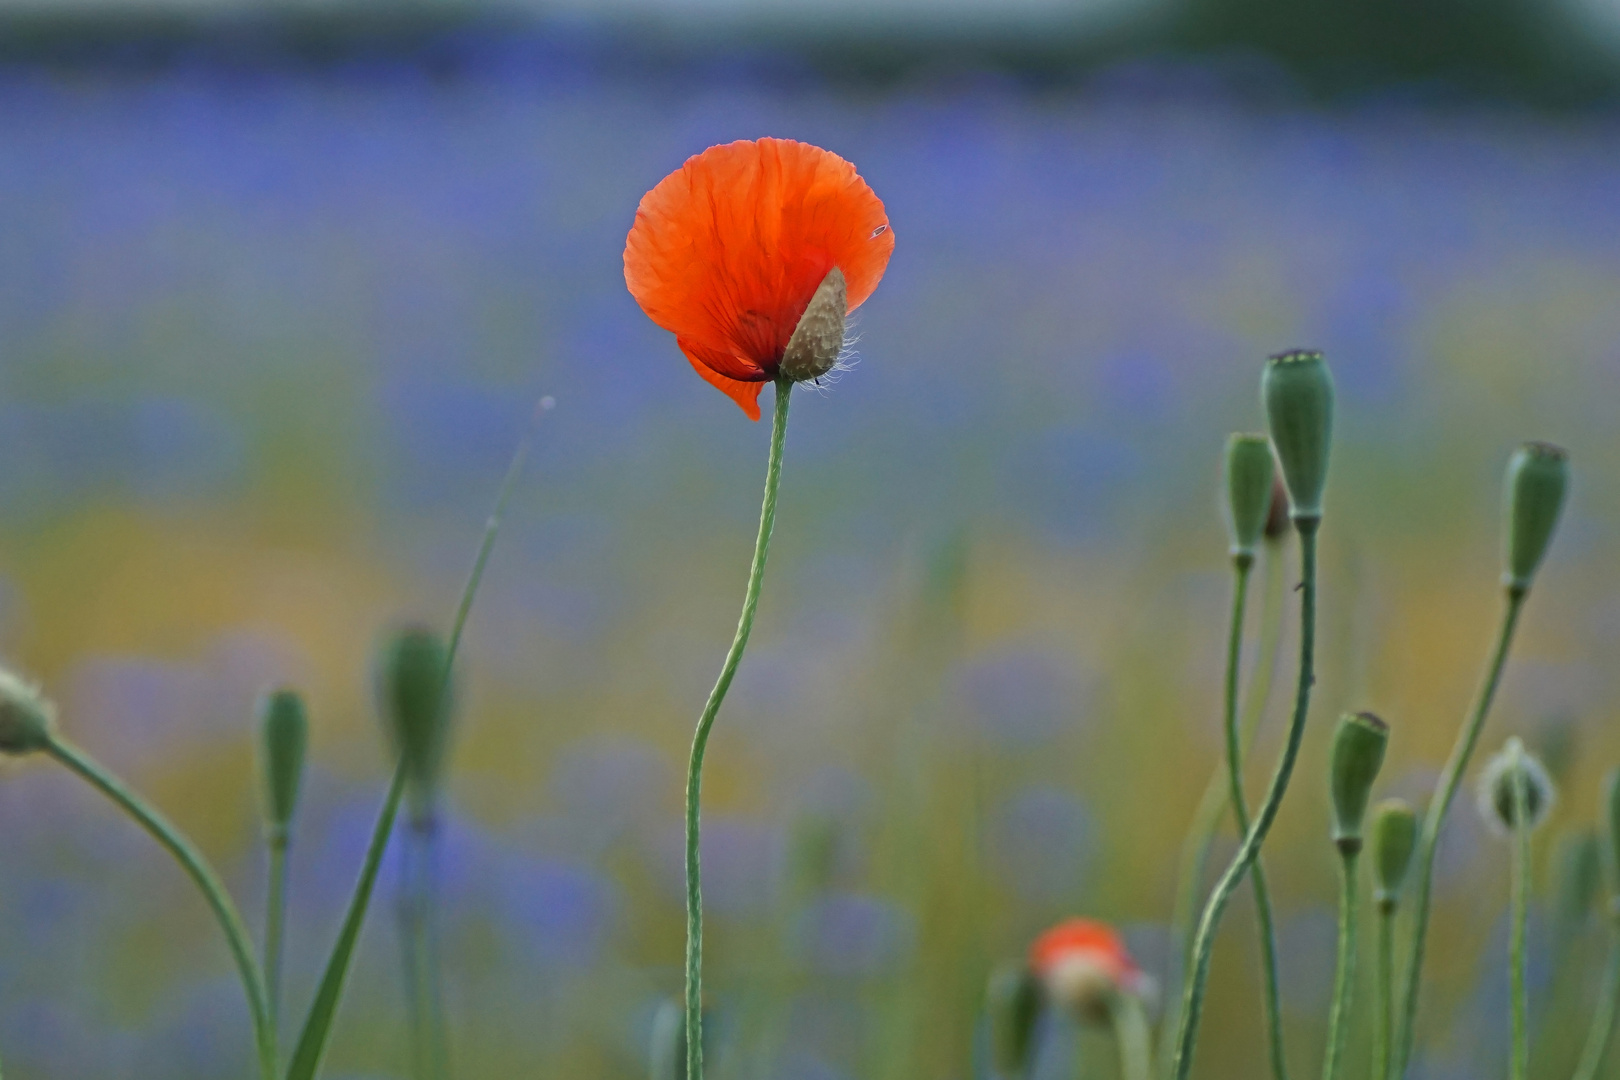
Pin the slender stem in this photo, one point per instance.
(1344, 984)
(275, 922)
(312, 1041)
(1597, 1037)
(1384, 1018)
(418, 916)
(1204, 944)
(1439, 803)
(1195, 849)
(1240, 811)
(700, 741)
(1131, 1033)
(203, 875)
(1521, 908)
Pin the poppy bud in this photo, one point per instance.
(1394, 830)
(1358, 752)
(1511, 767)
(1249, 473)
(1013, 1002)
(1579, 864)
(1277, 515)
(1537, 477)
(415, 688)
(813, 349)
(283, 733)
(1082, 964)
(1298, 394)
(27, 720)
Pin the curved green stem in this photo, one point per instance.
(202, 875)
(700, 741)
(1344, 984)
(1195, 848)
(1240, 812)
(1204, 944)
(1439, 804)
(1384, 1018)
(1521, 908)
(1597, 1037)
(275, 922)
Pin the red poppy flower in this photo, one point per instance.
(728, 251)
(1082, 963)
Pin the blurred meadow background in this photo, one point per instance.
(279, 293)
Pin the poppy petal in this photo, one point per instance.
(727, 251)
(745, 394)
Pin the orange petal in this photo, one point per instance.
(745, 394)
(727, 250)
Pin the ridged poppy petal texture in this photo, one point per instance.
(727, 251)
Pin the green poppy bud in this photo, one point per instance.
(1358, 752)
(1537, 477)
(283, 734)
(27, 720)
(1394, 838)
(1578, 863)
(1013, 1002)
(1298, 394)
(1503, 774)
(1249, 472)
(415, 690)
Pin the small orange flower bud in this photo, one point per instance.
(1083, 964)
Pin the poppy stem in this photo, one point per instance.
(1241, 565)
(1344, 983)
(275, 922)
(1131, 1033)
(1204, 943)
(1212, 807)
(1439, 804)
(1520, 908)
(1597, 1037)
(418, 917)
(700, 741)
(1384, 1018)
(202, 875)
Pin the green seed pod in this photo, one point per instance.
(415, 690)
(1298, 394)
(283, 734)
(1358, 753)
(27, 720)
(1249, 473)
(1013, 1002)
(1537, 477)
(1511, 766)
(1394, 837)
(1578, 863)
